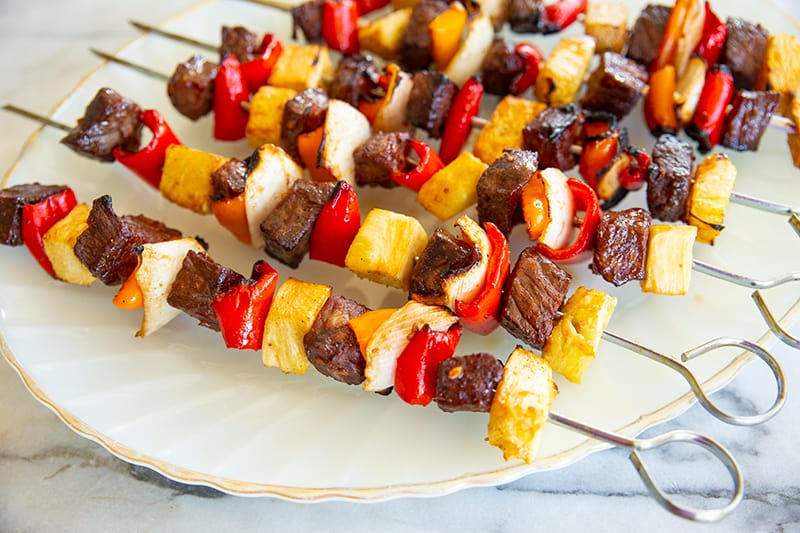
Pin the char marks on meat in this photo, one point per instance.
(355, 77)
(431, 96)
(380, 156)
(620, 250)
(532, 295)
(501, 67)
(500, 187)
(303, 113)
(748, 119)
(443, 257)
(228, 180)
(669, 178)
(415, 51)
(616, 85)
(240, 42)
(552, 134)
(744, 50)
(191, 87)
(307, 17)
(645, 36)
(525, 16)
(110, 121)
(287, 228)
(12, 199)
(330, 344)
(198, 282)
(468, 382)
(108, 245)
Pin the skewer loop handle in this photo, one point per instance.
(773, 323)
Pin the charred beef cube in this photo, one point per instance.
(500, 67)
(552, 134)
(499, 188)
(354, 79)
(287, 228)
(743, 51)
(669, 178)
(191, 87)
(330, 344)
(645, 37)
(468, 382)
(443, 257)
(110, 121)
(380, 156)
(415, 52)
(616, 85)
(532, 295)
(747, 121)
(228, 180)
(108, 245)
(240, 42)
(525, 16)
(197, 284)
(430, 100)
(308, 18)
(620, 250)
(12, 199)
(303, 113)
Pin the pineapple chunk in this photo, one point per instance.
(521, 405)
(469, 56)
(607, 22)
(710, 194)
(301, 67)
(294, 308)
(452, 189)
(669, 259)
(562, 74)
(345, 130)
(59, 244)
(794, 138)
(572, 345)
(780, 68)
(384, 36)
(266, 114)
(385, 248)
(186, 179)
(504, 128)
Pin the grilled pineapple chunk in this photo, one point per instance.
(294, 308)
(562, 74)
(469, 56)
(266, 114)
(521, 405)
(794, 138)
(59, 244)
(452, 189)
(385, 248)
(780, 68)
(607, 22)
(669, 259)
(301, 67)
(710, 195)
(504, 128)
(572, 345)
(186, 179)
(384, 36)
(345, 130)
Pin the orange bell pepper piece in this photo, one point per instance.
(309, 145)
(671, 35)
(130, 296)
(232, 215)
(446, 31)
(535, 208)
(387, 81)
(659, 104)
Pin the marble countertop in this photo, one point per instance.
(51, 479)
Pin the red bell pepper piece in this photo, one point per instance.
(39, 217)
(561, 14)
(429, 164)
(148, 162)
(256, 71)
(715, 31)
(230, 92)
(531, 57)
(466, 105)
(586, 200)
(709, 116)
(242, 310)
(368, 6)
(340, 25)
(418, 364)
(336, 226)
(634, 175)
(482, 314)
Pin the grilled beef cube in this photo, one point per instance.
(620, 250)
(110, 121)
(354, 79)
(303, 113)
(228, 180)
(240, 42)
(308, 18)
(108, 246)
(500, 67)
(532, 295)
(552, 134)
(468, 382)
(379, 156)
(645, 37)
(743, 51)
(330, 344)
(747, 121)
(287, 228)
(430, 100)
(500, 187)
(443, 257)
(191, 87)
(12, 199)
(669, 178)
(415, 52)
(524, 16)
(616, 85)
(199, 281)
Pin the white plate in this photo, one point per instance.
(179, 402)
